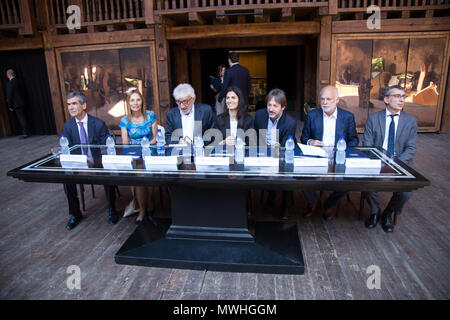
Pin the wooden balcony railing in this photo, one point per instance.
(16, 14)
(98, 12)
(166, 6)
(392, 5)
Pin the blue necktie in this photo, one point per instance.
(391, 138)
(83, 137)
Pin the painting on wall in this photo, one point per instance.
(364, 68)
(106, 76)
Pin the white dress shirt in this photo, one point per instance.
(233, 127)
(271, 135)
(386, 129)
(187, 122)
(329, 128)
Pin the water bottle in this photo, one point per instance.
(110, 145)
(198, 145)
(160, 143)
(145, 144)
(239, 149)
(64, 143)
(289, 153)
(340, 154)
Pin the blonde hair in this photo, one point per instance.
(128, 102)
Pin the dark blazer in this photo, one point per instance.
(223, 124)
(97, 131)
(237, 76)
(345, 126)
(202, 112)
(286, 125)
(405, 137)
(15, 93)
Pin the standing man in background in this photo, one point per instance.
(15, 99)
(236, 75)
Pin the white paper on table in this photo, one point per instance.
(362, 171)
(362, 163)
(73, 164)
(312, 170)
(261, 162)
(117, 162)
(313, 150)
(310, 162)
(73, 158)
(160, 163)
(212, 161)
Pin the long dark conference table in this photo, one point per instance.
(209, 228)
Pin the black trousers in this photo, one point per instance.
(22, 120)
(396, 203)
(74, 203)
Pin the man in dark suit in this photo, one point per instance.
(274, 118)
(15, 98)
(279, 126)
(395, 131)
(189, 119)
(324, 127)
(236, 75)
(85, 129)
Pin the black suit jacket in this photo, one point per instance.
(223, 124)
(237, 76)
(15, 93)
(97, 131)
(286, 125)
(345, 126)
(202, 112)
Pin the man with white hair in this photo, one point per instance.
(191, 117)
(324, 127)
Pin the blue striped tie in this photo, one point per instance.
(391, 138)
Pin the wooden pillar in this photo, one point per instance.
(163, 70)
(180, 64)
(29, 25)
(59, 105)
(196, 74)
(445, 123)
(5, 128)
(324, 54)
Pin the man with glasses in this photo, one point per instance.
(395, 131)
(189, 119)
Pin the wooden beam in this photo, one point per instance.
(163, 70)
(22, 44)
(196, 19)
(104, 37)
(59, 109)
(149, 6)
(324, 54)
(243, 30)
(28, 20)
(332, 7)
(394, 25)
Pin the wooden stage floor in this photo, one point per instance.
(36, 249)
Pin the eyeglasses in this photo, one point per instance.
(185, 102)
(398, 96)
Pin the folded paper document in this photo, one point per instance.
(212, 161)
(310, 162)
(261, 162)
(362, 163)
(312, 150)
(72, 158)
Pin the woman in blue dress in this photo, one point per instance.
(134, 126)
